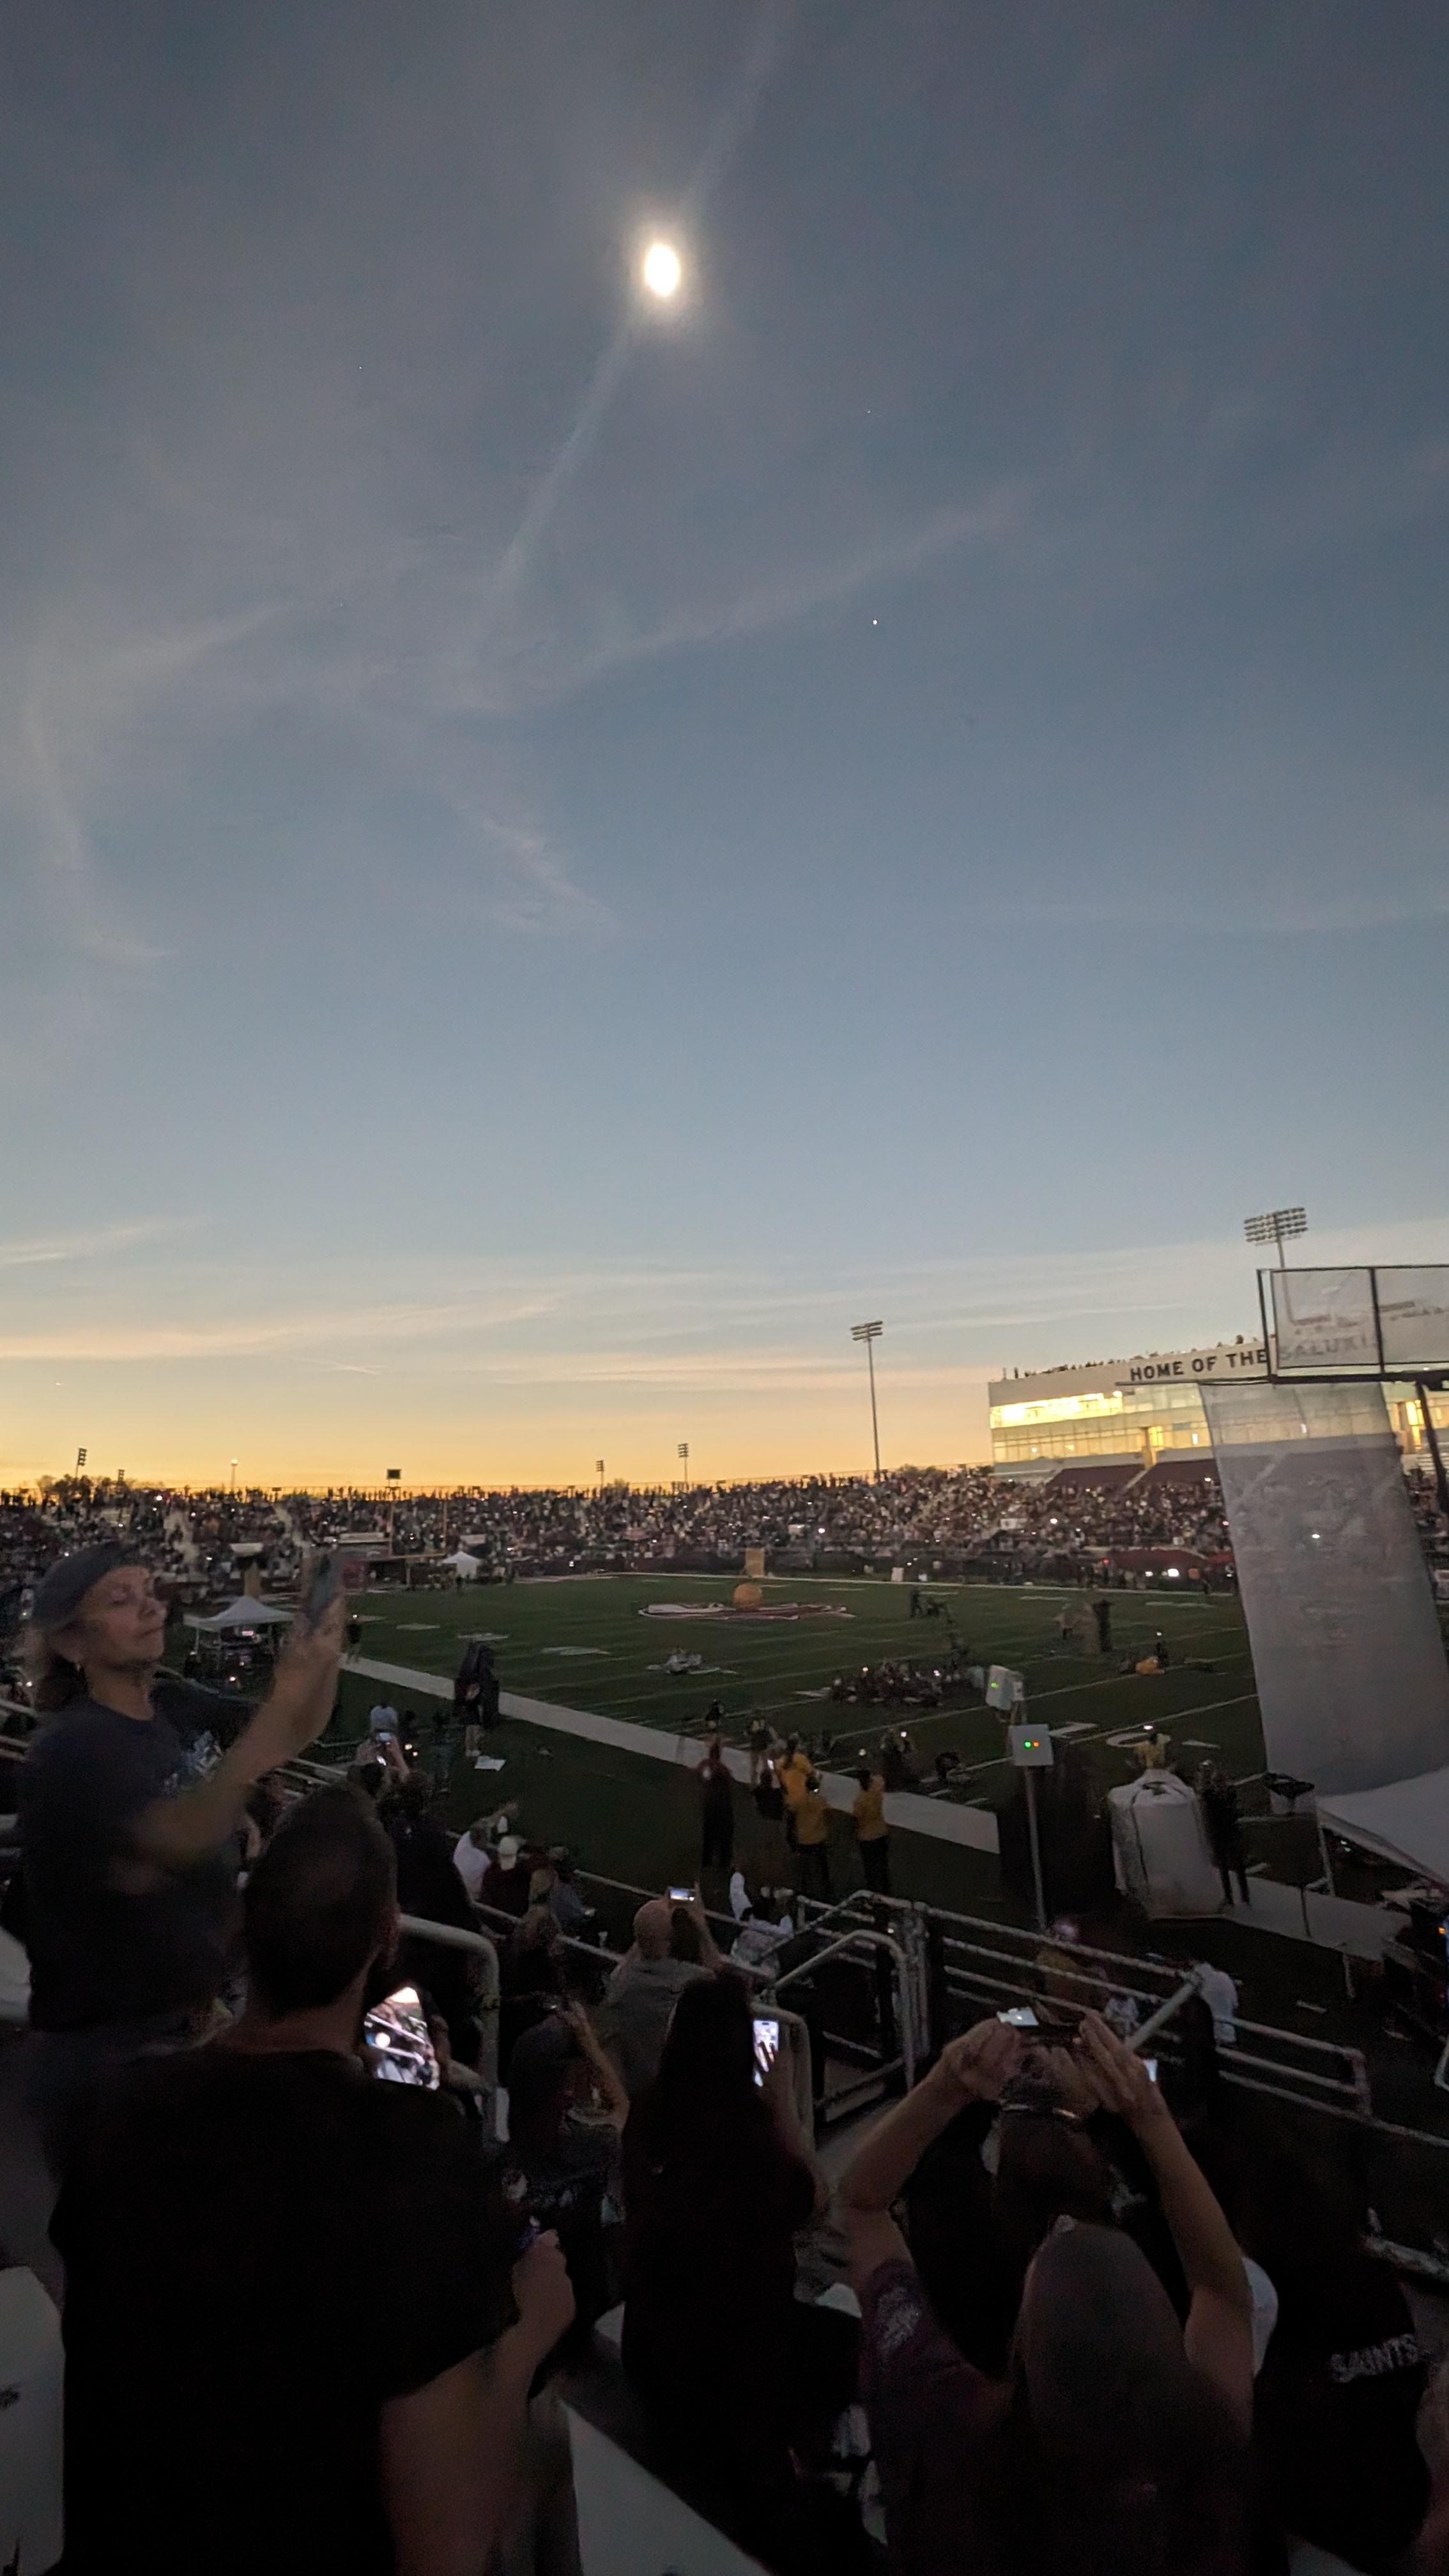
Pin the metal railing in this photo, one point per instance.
(937, 1958)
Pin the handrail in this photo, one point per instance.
(1165, 2013)
(878, 1941)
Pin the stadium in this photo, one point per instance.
(722, 723)
(909, 1749)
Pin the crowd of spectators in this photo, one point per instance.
(1076, 1524)
(1082, 2321)
(930, 1520)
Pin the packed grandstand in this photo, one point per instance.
(1081, 1523)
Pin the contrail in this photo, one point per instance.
(730, 127)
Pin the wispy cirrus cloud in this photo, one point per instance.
(38, 1251)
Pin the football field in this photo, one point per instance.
(589, 1643)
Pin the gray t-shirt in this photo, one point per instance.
(638, 2001)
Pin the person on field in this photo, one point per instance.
(717, 1809)
(872, 1834)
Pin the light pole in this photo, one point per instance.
(1277, 1227)
(870, 1334)
(684, 1455)
(233, 1475)
(394, 1478)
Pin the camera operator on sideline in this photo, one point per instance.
(130, 1892)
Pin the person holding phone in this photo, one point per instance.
(647, 1984)
(258, 2236)
(1120, 2440)
(718, 2178)
(128, 1826)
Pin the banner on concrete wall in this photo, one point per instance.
(1350, 1666)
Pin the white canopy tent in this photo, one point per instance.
(463, 1564)
(245, 1612)
(1407, 1822)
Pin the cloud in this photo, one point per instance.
(665, 1325)
(42, 1249)
(562, 665)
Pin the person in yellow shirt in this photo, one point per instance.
(792, 1770)
(872, 1833)
(812, 1839)
(795, 1772)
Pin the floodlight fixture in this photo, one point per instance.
(870, 1334)
(1278, 1227)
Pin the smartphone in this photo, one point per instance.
(321, 1585)
(1151, 2065)
(680, 1895)
(1020, 2017)
(396, 2044)
(767, 2046)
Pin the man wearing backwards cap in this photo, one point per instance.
(129, 1894)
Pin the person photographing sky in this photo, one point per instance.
(125, 1819)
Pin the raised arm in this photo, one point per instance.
(601, 2066)
(711, 1956)
(175, 1832)
(1218, 2336)
(974, 2068)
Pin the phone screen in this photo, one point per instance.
(1151, 2065)
(396, 2043)
(767, 2046)
(680, 1895)
(1020, 2017)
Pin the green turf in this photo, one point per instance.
(779, 1670)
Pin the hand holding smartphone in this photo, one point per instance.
(396, 2042)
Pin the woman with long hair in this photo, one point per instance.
(1117, 2443)
(718, 2176)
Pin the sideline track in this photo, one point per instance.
(975, 1827)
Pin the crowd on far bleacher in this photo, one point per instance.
(1077, 1523)
(928, 1520)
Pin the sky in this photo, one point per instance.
(556, 853)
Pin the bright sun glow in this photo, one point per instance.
(662, 271)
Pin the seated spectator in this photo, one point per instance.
(763, 1933)
(574, 1916)
(531, 1982)
(505, 1884)
(472, 1853)
(1343, 2376)
(562, 2155)
(647, 1984)
(1118, 2447)
(718, 2176)
(221, 2297)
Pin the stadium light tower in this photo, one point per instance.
(1277, 1227)
(870, 1334)
(684, 1454)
